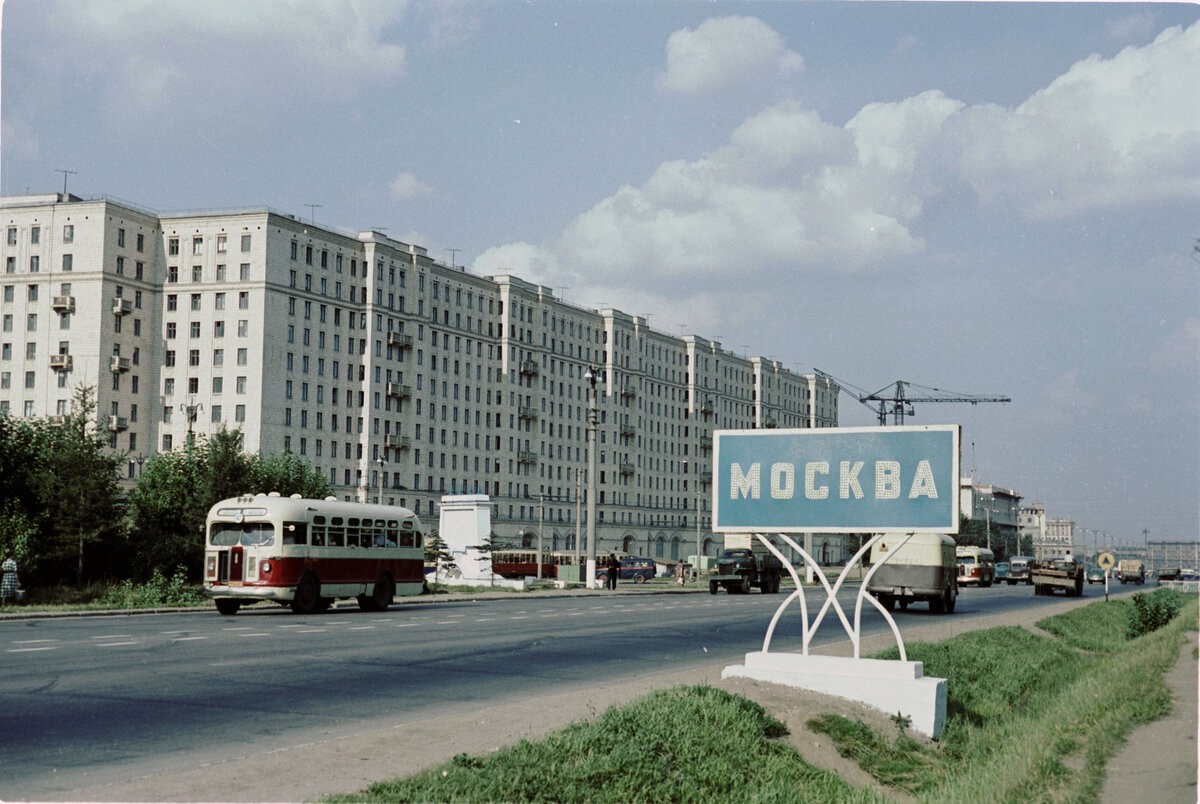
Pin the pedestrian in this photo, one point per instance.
(614, 569)
(10, 581)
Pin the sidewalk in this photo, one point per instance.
(1159, 760)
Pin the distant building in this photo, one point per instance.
(996, 508)
(1050, 538)
(397, 376)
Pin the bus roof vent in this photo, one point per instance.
(295, 497)
(331, 498)
(273, 494)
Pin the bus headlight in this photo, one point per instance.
(265, 567)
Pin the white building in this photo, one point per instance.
(392, 373)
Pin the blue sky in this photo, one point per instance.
(987, 198)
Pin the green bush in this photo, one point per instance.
(1152, 611)
(158, 591)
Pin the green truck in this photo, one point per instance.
(744, 565)
(1060, 573)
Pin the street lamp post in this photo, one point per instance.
(382, 466)
(578, 499)
(592, 375)
(541, 520)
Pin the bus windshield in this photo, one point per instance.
(247, 534)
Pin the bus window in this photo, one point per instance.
(352, 532)
(295, 533)
(336, 532)
(257, 533)
(225, 534)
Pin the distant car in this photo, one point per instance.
(1001, 570)
(1095, 575)
(638, 570)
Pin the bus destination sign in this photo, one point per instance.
(840, 480)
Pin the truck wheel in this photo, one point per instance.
(938, 604)
(887, 601)
(712, 587)
(951, 601)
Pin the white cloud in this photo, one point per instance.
(790, 193)
(406, 186)
(725, 51)
(1107, 133)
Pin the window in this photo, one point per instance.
(172, 273)
(32, 293)
(243, 300)
(35, 264)
(197, 246)
(67, 262)
(121, 238)
(141, 243)
(219, 301)
(218, 329)
(218, 357)
(12, 235)
(172, 302)
(193, 357)
(241, 357)
(222, 243)
(243, 328)
(139, 268)
(173, 247)
(195, 301)
(245, 243)
(244, 271)
(197, 273)
(218, 385)
(221, 272)
(35, 235)
(31, 323)
(170, 330)
(68, 233)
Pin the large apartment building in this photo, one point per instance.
(396, 376)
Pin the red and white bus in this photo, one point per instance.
(522, 562)
(308, 553)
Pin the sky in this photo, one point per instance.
(987, 198)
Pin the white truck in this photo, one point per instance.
(923, 568)
(1130, 570)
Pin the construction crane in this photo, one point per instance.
(896, 401)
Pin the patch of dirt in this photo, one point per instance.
(795, 707)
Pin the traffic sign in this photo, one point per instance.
(1106, 561)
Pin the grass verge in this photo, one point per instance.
(1030, 718)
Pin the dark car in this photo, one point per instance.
(1095, 575)
(638, 570)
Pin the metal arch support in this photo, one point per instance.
(853, 631)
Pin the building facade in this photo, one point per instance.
(398, 377)
(997, 508)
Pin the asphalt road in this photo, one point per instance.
(93, 701)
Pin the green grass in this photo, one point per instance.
(1030, 717)
(638, 753)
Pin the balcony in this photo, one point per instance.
(397, 442)
(626, 469)
(627, 391)
(706, 443)
(524, 456)
(63, 304)
(706, 477)
(527, 412)
(399, 339)
(118, 365)
(628, 431)
(399, 391)
(122, 307)
(61, 362)
(706, 408)
(118, 423)
(529, 367)
(56, 421)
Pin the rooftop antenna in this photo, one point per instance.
(312, 212)
(65, 174)
(453, 252)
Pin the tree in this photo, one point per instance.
(169, 507)
(63, 505)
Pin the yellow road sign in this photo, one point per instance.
(1106, 561)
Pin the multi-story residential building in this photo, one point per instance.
(396, 376)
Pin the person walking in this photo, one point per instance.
(614, 570)
(9, 581)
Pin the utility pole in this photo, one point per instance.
(592, 375)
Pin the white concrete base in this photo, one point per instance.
(889, 686)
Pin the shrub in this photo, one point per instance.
(158, 591)
(1152, 611)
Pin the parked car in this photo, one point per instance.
(638, 570)
(1095, 575)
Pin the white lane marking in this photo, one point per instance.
(187, 639)
(31, 650)
(32, 641)
(113, 636)
(114, 644)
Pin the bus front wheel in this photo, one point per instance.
(227, 606)
(380, 597)
(307, 599)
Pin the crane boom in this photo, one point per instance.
(895, 400)
(899, 403)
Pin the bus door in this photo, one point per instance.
(237, 563)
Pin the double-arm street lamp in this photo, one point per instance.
(592, 376)
(382, 468)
